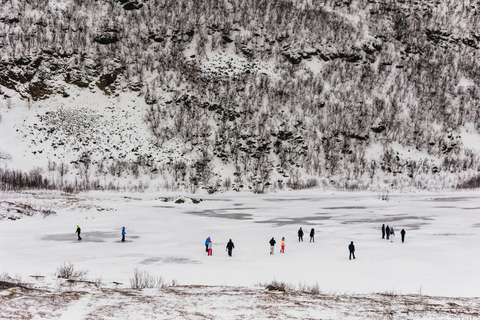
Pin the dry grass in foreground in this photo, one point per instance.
(89, 300)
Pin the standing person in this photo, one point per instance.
(78, 232)
(392, 234)
(210, 245)
(351, 248)
(402, 233)
(123, 234)
(272, 245)
(383, 231)
(312, 235)
(300, 234)
(230, 247)
(282, 250)
(388, 232)
(206, 244)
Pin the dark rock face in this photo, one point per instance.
(445, 38)
(77, 78)
(379, 129)
(136, 86)
(359, 137)
(176, 35)
(9, 20)
(436, 35)
(39, 90)
(227, 39)
(247, 51)
(106, 80)
(293, 57)
(132, 5)
(369, 49)
(106, 38)
(156, 37)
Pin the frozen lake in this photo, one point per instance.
(439, 257)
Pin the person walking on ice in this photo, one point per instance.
(78, 232)
(230, 247)
(387, 230)
(272, 246)
(351, 248)
(210, 245)
(206, 244)
(383, 231)
(300, 234)
(123, 234)
(402, 233)
(392, 234)
(312, 235)
(282, 245)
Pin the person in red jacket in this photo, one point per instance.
(210, 245)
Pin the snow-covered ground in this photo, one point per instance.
(200, 302)
(439, 257)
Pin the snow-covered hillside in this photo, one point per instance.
(240, 95)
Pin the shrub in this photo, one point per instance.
(472, 183)
(67, 271)
(277, 286)
(312, 289)
(143, 279)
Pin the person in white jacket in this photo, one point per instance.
(392, 234)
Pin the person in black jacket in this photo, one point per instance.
(383, 231)
(272, 246)
(78, 232)
(351, 248)
(312, 235)
(230, 247)
(402, 233)
(300, 234)
(388, 232)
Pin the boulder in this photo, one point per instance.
(227, 39)
(378, 129)
(132, 5)
(106, 38)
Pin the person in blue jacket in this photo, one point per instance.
(206, 244)
(123, 234)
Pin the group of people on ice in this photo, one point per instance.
(79, 230)
(386, 231)
(209, 247)
(300, 235)
(390, 233)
